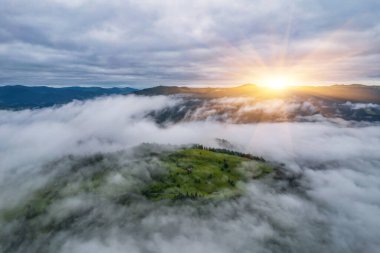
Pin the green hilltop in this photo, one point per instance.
(203, 173)
(195, 173)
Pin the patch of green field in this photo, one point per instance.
(263, 169)
(198, 173)
(36, 206)
(42, 199)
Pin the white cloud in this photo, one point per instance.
(334, 208)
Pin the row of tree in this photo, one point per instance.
(229, 152)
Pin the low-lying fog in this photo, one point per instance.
(334, 206)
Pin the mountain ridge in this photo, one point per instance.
(352, 93)
(18, 97)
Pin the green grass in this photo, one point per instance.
(34, 207)
(213, 175)
(41, 199)
(263, 169)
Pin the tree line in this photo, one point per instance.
(229, 152)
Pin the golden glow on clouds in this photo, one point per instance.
(318, 61)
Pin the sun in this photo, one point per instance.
(276, 82)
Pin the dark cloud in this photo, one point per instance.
(148, 42)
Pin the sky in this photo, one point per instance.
(217, 42)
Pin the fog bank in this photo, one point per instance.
(331, 205)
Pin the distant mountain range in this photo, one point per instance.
(22, 97)
(346, 93)
(332, 97)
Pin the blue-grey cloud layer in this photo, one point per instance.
(202, 42)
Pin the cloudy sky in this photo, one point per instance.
(215, 42)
